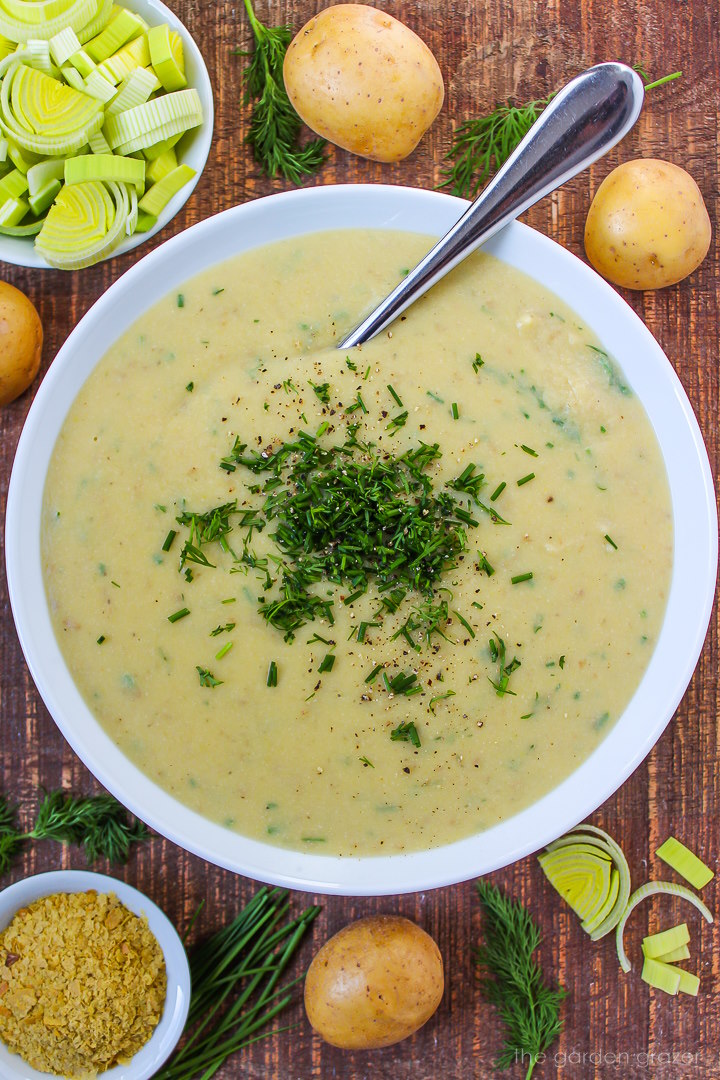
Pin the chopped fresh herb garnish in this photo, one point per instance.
(350, 364)
(467, 482)
(505, 670)
(498, 491)
(366, 762)
(169, 539)
(561, 661)
(353, 597)
(397, 422)
(179, 615)
(519, 578)
(190, 387)
(477, 362)
(101, 639)
(272, 675)
(611, 541)
(526, 479)
(484, 564)
(216, 292)
(375, 671)
(357, 404)
(224, 650)
(229, 600)
(395, 396)
(322, 390)
(440, 697)
(327, 663)
(206, 677)
(528, 450)
(465, 623)
(180, 300)
(222, 629)
(406, 732)
(402, 684)
(343, 514)
(455, 411)
(436, 397)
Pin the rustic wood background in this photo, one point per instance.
(614, 1025)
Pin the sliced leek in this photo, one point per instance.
(650, 889)
(686, 863)
(166, 57)
(591, 873)
(657, 945)
(87, 125)
(106, 167)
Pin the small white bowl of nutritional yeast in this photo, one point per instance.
(146, 1062)
(691, 580)
(193, 148)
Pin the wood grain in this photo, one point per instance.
(614, 1025)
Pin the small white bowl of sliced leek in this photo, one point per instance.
(106, 120)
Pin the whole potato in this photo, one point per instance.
(363, 80)
(21, 338)
(647, 226)
(374, 983)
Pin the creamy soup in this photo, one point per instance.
(357, 602)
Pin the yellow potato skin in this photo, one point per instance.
(364, 81)
(374, 983)
(647, 226)
(21, 338)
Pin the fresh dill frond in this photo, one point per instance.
(274, 133)
(513, 982)
(98, 823)
(482, 145)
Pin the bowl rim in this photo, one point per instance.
(20, 251)
(167, 1034)
(690, 595)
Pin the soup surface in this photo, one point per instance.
(356, 603)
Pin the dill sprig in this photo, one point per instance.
(513, 981)
(98, 823)
(235, 992)
(274, 133)
(482, 145)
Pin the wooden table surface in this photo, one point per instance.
(614, 1025)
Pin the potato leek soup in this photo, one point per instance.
(356, 602)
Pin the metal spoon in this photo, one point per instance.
(585, 120)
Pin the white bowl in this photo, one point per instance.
(195, 144)
(650, 375)
(167, 1033)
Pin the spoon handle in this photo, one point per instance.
(582, 122)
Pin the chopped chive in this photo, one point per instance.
(561, 661)
(465, 623)
(353, 597)
(367, 372)
(397, 422)
(327, 663)
(528, 450)
(180, 300)
(477, 362)
(611, 541)
(395, 395)
(526, 479)
(216, 292)
(229, 600)
(101, 639)
(375, 671)
(350, 364)
(224, 651)
(115, 584)
(406, 732)
(169, 539)
(222, 629)
(484, 564)
(272, 675)
(313, 839)
(179, 615)
(366, 762)
(498, 491)
(190, 387)
(520, 578)
(436, 397)
(455, 411)
(322, 429)
(158, 506)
